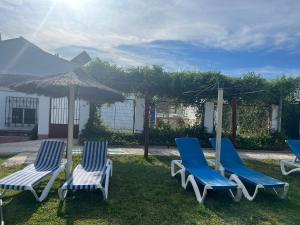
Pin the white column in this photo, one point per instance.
(275, 117)
(209, 116)
(43, 116)
(139, 115)
(219, 127)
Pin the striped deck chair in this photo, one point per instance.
(94, 170)
(47, 163)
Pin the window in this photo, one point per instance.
(21, 111)
(17, 115)
(29, 116)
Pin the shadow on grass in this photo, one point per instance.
(18, 208)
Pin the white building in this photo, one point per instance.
(20, 113)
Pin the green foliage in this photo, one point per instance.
(274, 141)
(254, 96)
(192, 87)
(253, 120)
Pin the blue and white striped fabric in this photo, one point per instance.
(47, 161)
(49, 155)
(89, 174)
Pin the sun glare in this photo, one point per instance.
(74, 4)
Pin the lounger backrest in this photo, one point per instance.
(94, 155)
(295, 147)
(229, 156)
(49, 155)
(191, 153)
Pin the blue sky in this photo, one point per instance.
(232, 36)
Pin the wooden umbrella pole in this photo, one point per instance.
(71, 109)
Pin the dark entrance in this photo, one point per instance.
(58, 125)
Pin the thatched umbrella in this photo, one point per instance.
(72, 84)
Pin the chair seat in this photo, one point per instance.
(24, 179)
(82, 179)
(254, 177)
(208, 176)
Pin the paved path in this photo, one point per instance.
(26, 152)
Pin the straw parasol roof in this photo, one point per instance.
(87, 87)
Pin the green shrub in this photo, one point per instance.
(267, 142)
(164, 135)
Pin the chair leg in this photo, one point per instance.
(62, 193)
(238, 195)
(2, 194)
(245, 192)
(106, 184)
(200, 198)
(48, 186)
(178, 164)
(1, 212)
(283, 194)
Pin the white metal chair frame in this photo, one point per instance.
(293, 163)
(63, 191)
(191, 179)
(47, 188)
(247, 195)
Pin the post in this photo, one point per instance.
(219, 128)
(280, 114)
(299, 119)
(71, 109)
(146, 127)
(234, 119)
(133, 122)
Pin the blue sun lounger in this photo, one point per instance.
(48, 163)
(194, 163)
(93, 172)
(295, 147)
(242, 175)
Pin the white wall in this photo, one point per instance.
(3, 94)
(84, 113)
(43, 116)
(209, 116)
(43, 109)
(120, 115)
(139, 114)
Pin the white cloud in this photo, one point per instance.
(231, 24)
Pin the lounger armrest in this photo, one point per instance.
(63, 162)
(212, 163)
(108, 167)
(178, 163)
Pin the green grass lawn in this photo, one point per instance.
(143, 192)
